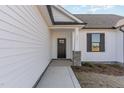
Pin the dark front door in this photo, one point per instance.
(61, 48)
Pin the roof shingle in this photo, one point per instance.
(99, 20)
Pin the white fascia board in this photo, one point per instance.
(69, 14)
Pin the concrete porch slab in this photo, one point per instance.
(61, 62)
(58, 77)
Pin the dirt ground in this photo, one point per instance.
(100, 75)
(108, 69)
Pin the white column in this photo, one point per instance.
(73, 41)
(76, 39)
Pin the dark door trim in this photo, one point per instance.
(61, 48)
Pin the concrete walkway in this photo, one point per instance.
(59, 75)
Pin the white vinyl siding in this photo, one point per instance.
(24, 46)
(110, 46)
(120, 47)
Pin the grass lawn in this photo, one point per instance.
(99, 75)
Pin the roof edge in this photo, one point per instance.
(62, 23)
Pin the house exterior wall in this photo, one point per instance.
(113, 45)
(110, 46)
(120, 46)
(59, 33)
(24, 46)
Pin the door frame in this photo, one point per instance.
(58, 48)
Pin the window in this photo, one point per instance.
(61, 41)
(95, 42)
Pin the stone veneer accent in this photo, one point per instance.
(76, 58)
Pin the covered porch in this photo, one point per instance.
(64, 28)
(65, 44)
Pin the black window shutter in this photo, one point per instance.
(102, 42)
(89, 43)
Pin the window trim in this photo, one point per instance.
(96, 42)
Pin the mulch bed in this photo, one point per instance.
(109, 69)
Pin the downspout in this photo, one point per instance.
(123, 42)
